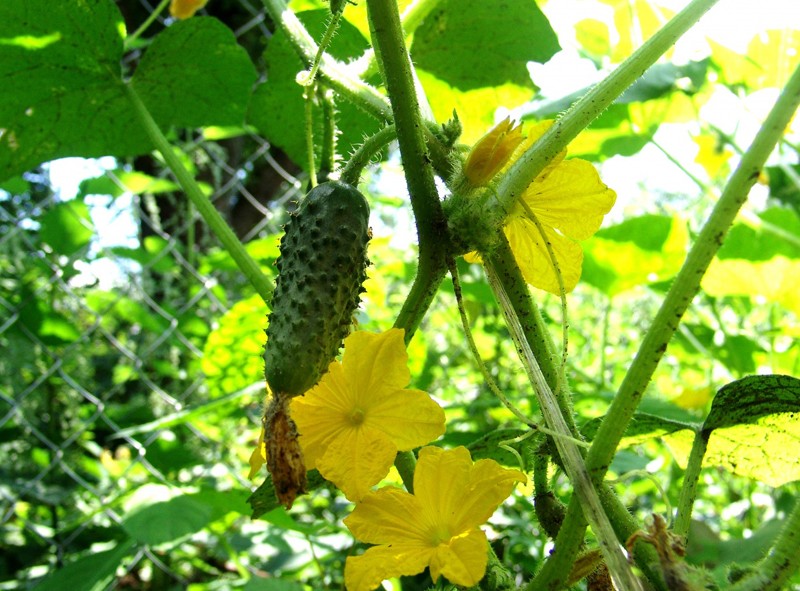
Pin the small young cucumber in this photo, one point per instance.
(320, 271)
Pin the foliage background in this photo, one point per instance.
(130, 383)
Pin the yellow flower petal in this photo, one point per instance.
(357, 459)
(490, 153)
(259, 456)
(534, 261)
(388, 515)
(372, 361)
(436, 526)
(448, 483)
(353, 422)
(183, 9)
(571, 198)
(409, 417)
(366, 572)
(462, 561)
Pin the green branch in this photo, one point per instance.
(390, 48)
(251, 270)
(689, 487)
(569, 452)
(331, 71)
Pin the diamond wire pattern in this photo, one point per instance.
(63, 366)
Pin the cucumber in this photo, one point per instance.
(320, 271)
(321, 268)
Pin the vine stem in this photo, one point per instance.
(390, 48)
(584, 111)
(215, 221)
(680, 295)
(688, 492)
(571, 457)
(331, 71)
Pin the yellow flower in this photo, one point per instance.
(356, 419)
(491, 152)
(438, 526)
(568, 200)
(183, 9)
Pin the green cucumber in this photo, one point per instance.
(320, 271)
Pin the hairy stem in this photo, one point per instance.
(431, 226)
(331, 71)
(251, 270)
(689, 488)
(569, 452)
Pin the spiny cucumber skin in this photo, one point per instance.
(320, 271)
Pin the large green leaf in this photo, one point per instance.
(168, 521)
(277, 108)
(473, 44)
(61, 92)
(90, 573)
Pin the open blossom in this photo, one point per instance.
(437, 527)
(360, 414)
(568, 200)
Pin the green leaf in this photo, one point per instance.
(62, 93)
(263, 500)
(638, 251)
(277, 108)
(67, 227)
(783, 185)
(458, 43)
(779, 235)
(195, 74)
(643, 426)
(118, 182)
(181, 516)
(753, 430)
(90, 573)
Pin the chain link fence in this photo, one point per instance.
(106, 304)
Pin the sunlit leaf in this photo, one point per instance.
(593, 37)
(67, 227)
(66, 97)
(768, 62)
(94, 572)
(636, 252)
(635, 21)
(181, 516)
(712, 155)
(232, 356)
(776, 280)
(753, 430)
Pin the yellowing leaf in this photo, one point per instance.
(593, 36)
(636, 21)
(475, 108)
(768, 62)
(712, 155)
(777, 280)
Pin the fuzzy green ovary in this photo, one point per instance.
(321, 268)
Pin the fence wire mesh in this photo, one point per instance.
(106, 302)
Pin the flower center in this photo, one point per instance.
(441, 535)
(357, 417)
